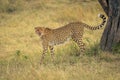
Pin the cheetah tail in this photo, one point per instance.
(99, 26)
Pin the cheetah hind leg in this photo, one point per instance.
(81, 46)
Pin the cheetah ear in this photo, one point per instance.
(48, 29)
(36, 28)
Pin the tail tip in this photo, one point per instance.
(100, 15)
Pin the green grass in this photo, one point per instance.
(20, 47)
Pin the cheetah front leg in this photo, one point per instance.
(43, 55)
(45, 49)
(52, 52)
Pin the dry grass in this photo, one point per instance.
(65, 67)
(20, 47)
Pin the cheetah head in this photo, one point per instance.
(41, 30)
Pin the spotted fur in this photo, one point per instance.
(74, 30)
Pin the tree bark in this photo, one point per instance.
(111, 34)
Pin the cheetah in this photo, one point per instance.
(73, 30)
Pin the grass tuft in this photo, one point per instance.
(94, 50)
(116, 48)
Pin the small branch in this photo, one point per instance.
(105, 5)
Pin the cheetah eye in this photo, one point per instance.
(38, 32)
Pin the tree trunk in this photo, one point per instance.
(111, 34)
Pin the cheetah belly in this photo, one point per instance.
(59, 41)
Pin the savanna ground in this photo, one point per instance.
(20, 47)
